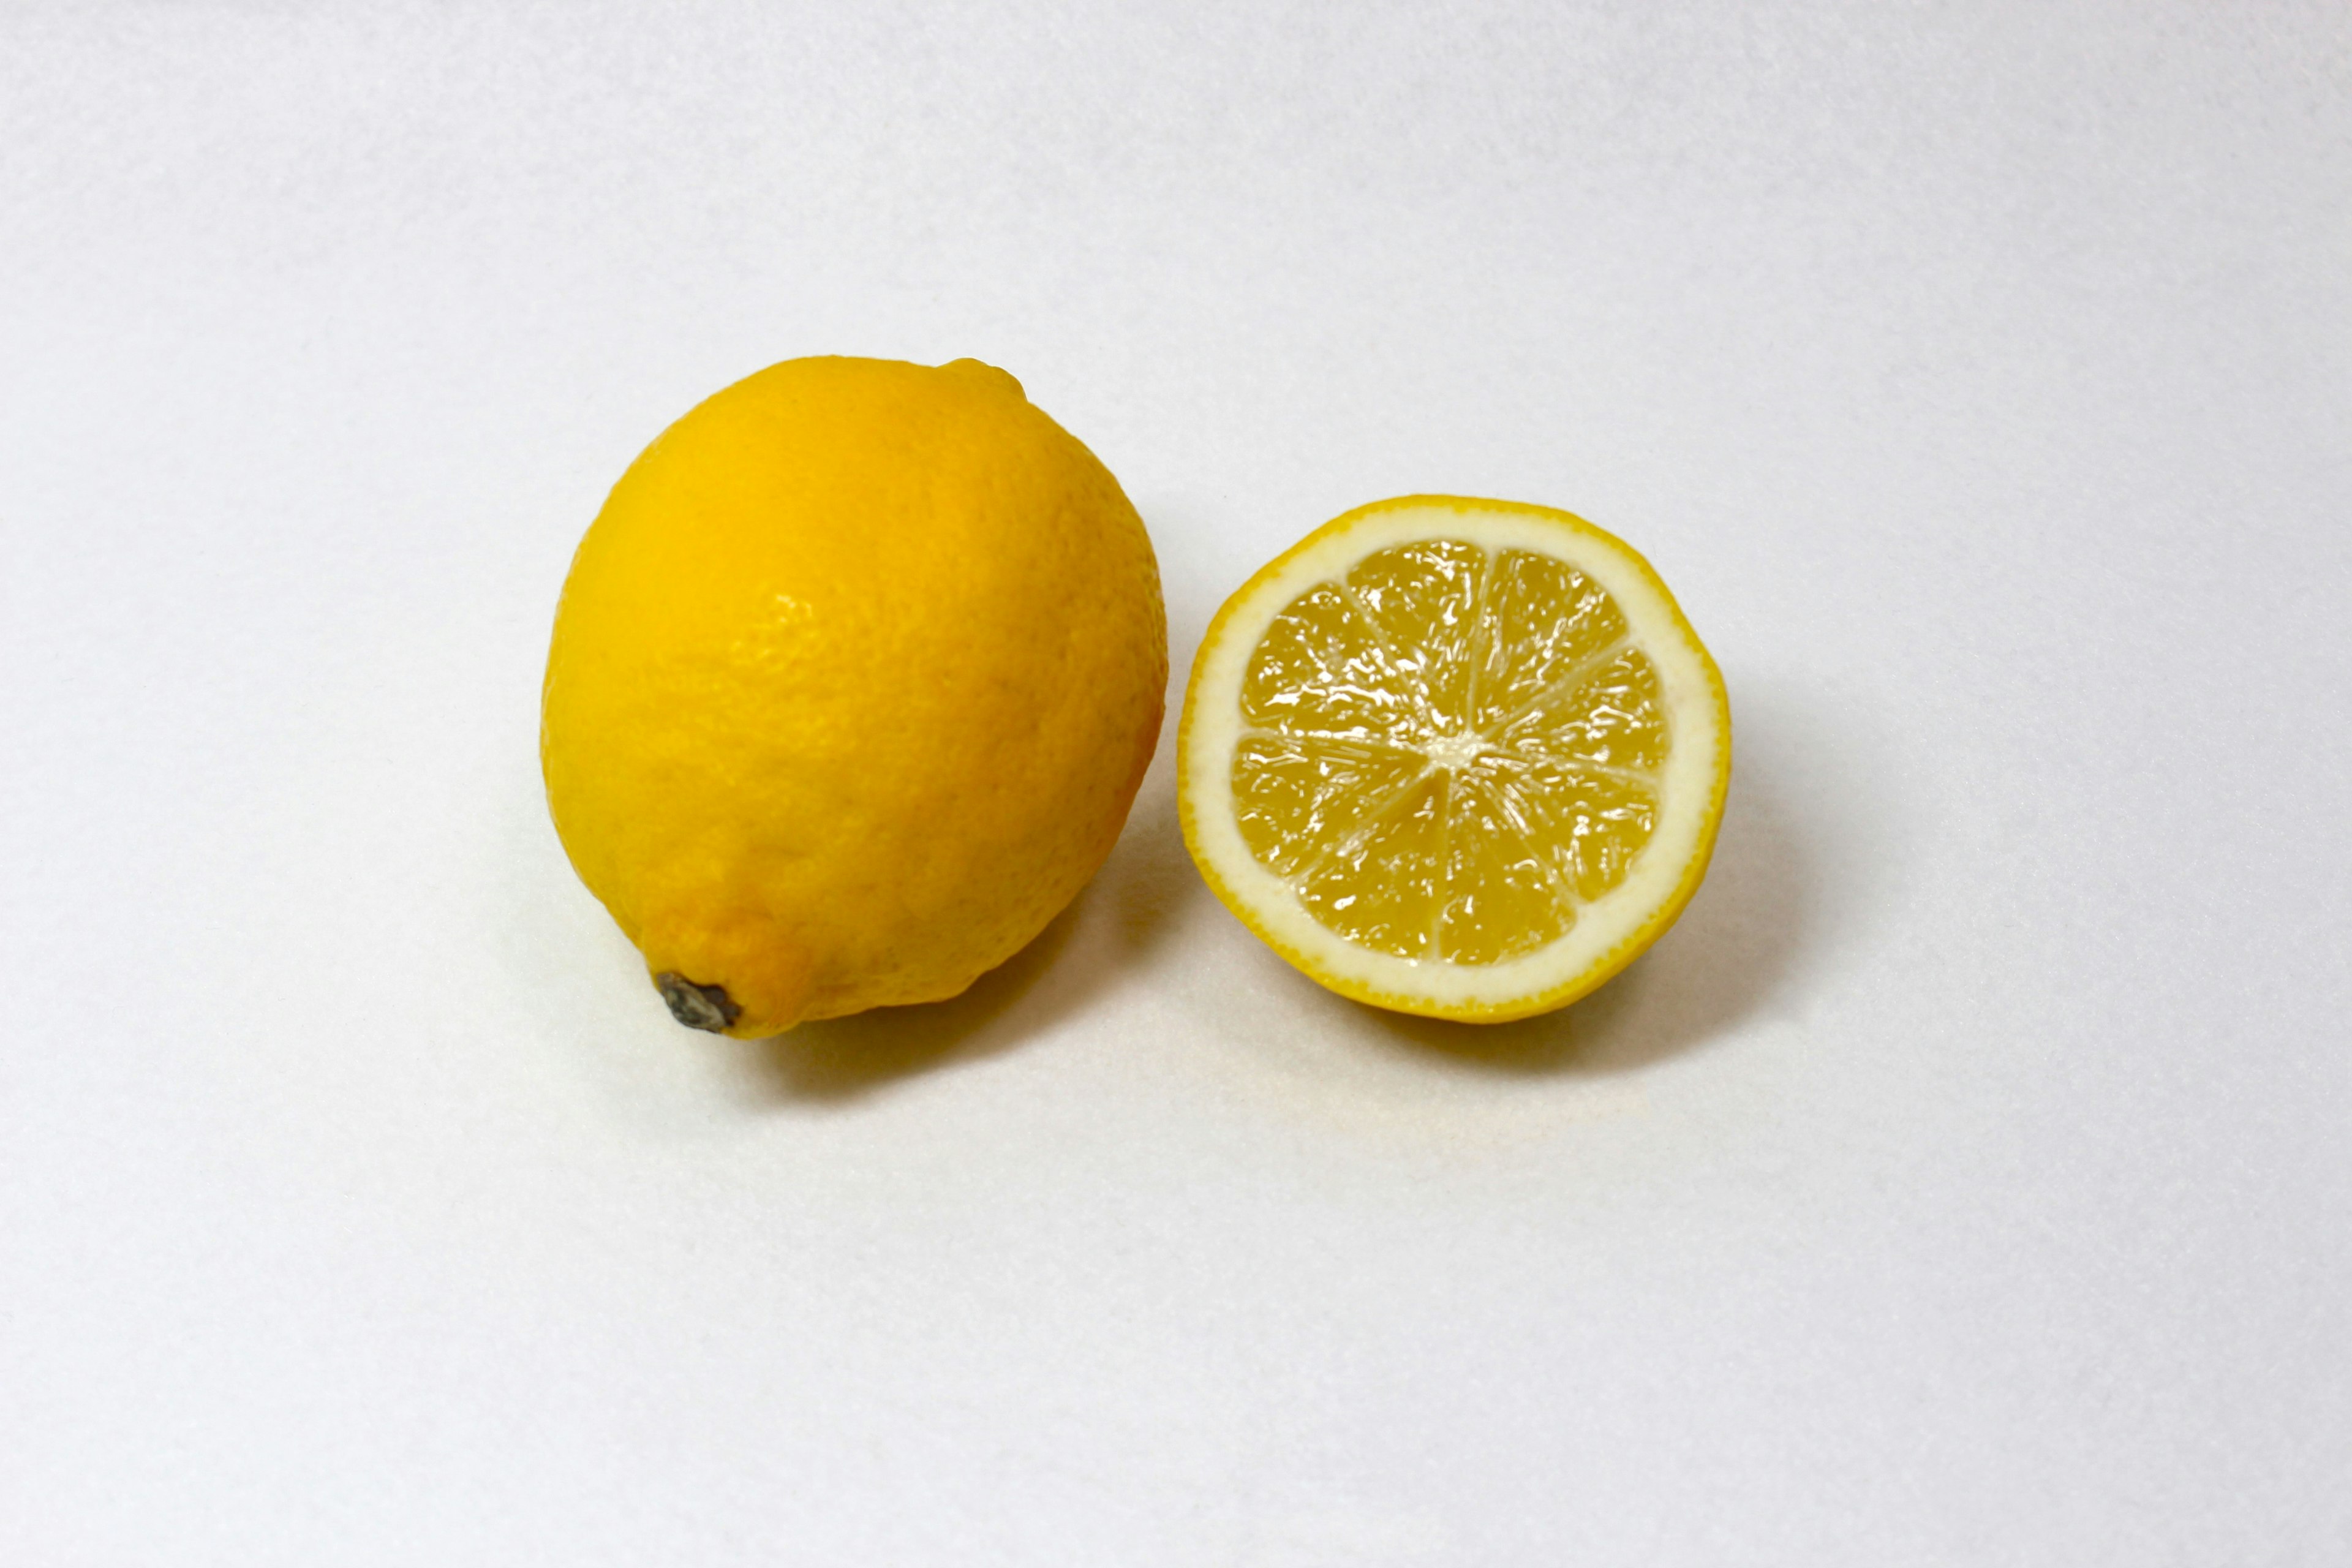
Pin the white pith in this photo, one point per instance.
(1688, 784)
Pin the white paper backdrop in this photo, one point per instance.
(1965, 1181)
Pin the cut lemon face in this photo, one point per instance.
(1460, 758)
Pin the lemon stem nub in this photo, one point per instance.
(697, 1006)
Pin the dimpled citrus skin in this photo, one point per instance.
(852, 683)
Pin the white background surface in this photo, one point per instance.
(1965, 1181)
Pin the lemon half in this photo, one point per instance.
(1455, 757)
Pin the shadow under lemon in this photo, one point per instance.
(840, 1058)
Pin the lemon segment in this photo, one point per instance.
(1456, 757)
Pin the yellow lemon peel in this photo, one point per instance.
(852, 683)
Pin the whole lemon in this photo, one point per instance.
(852, 684)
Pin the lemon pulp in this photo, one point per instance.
(1450, 751)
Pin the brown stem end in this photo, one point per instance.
(697, 1006)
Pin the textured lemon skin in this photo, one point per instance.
(852, 683)
(1201, 790)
